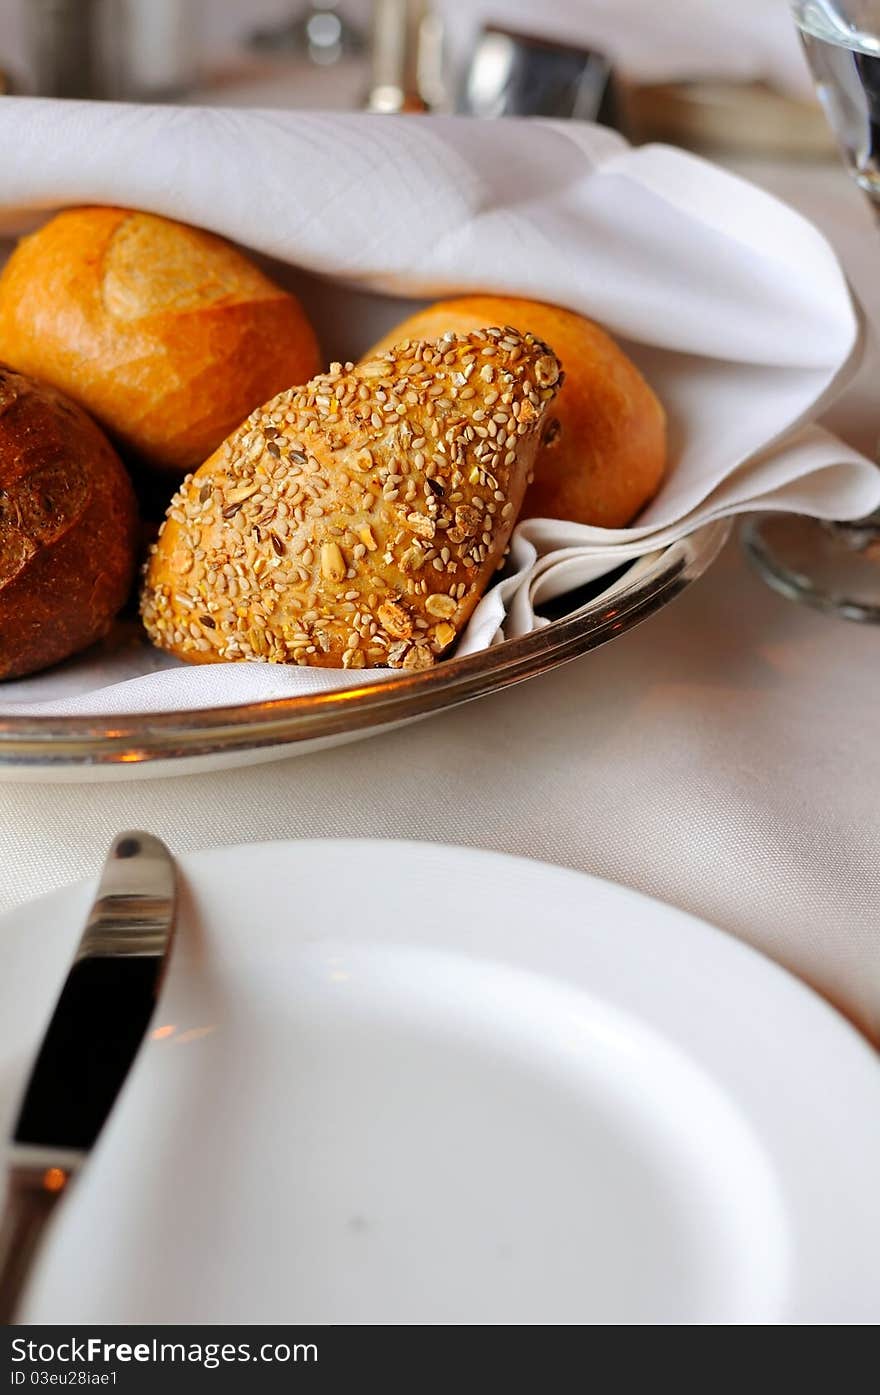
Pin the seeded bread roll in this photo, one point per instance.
(356, 522)
(603, 454)
(166, 334)
(68, 528)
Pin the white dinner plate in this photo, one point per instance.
(395, 1082)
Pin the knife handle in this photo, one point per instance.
(30, 1200)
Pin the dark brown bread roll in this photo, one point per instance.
(68, 528)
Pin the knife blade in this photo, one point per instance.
(93, 1038)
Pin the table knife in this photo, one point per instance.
(94, 1035)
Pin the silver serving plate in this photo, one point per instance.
(173, 743)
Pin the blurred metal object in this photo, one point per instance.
(119, 49)
(75, 47)
(408, 58)
(320, 32)
(160, 42)
(513, 74)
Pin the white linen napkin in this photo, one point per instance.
(734, 306)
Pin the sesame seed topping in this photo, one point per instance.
(364, 468)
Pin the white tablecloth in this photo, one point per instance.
(723, 757)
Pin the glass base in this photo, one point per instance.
(833, 567)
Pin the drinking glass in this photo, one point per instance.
(834, 566)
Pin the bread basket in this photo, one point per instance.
(74, 749)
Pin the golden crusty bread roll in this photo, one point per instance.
(604, 451)
(68, 528)
(356, 521)
(166, 334)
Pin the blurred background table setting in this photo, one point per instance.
(666, 171)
